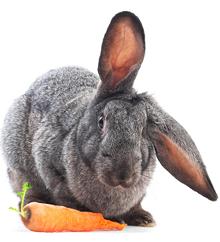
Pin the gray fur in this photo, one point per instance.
(51, 138)
(40, 140)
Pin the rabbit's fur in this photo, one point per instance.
(91, 144)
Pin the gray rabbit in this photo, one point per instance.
(91, 142)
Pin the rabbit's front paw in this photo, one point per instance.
(139, 217)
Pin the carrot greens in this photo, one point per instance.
(25, 188)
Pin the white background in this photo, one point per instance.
(181, 69)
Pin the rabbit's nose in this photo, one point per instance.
(123, 176)
(125, 180)
(121, 179)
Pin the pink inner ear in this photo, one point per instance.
(179, 164)
(125, 51)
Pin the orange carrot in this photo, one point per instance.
(43, 217)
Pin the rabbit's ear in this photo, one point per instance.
(122, 51)
(177, 152)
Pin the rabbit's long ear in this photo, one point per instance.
(122, 51)
(177, 152)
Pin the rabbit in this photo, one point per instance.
(90, 142)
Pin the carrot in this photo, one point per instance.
(42, 217)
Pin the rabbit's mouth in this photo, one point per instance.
(118, 182)
(118, 172)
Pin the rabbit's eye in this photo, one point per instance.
(101, 122)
